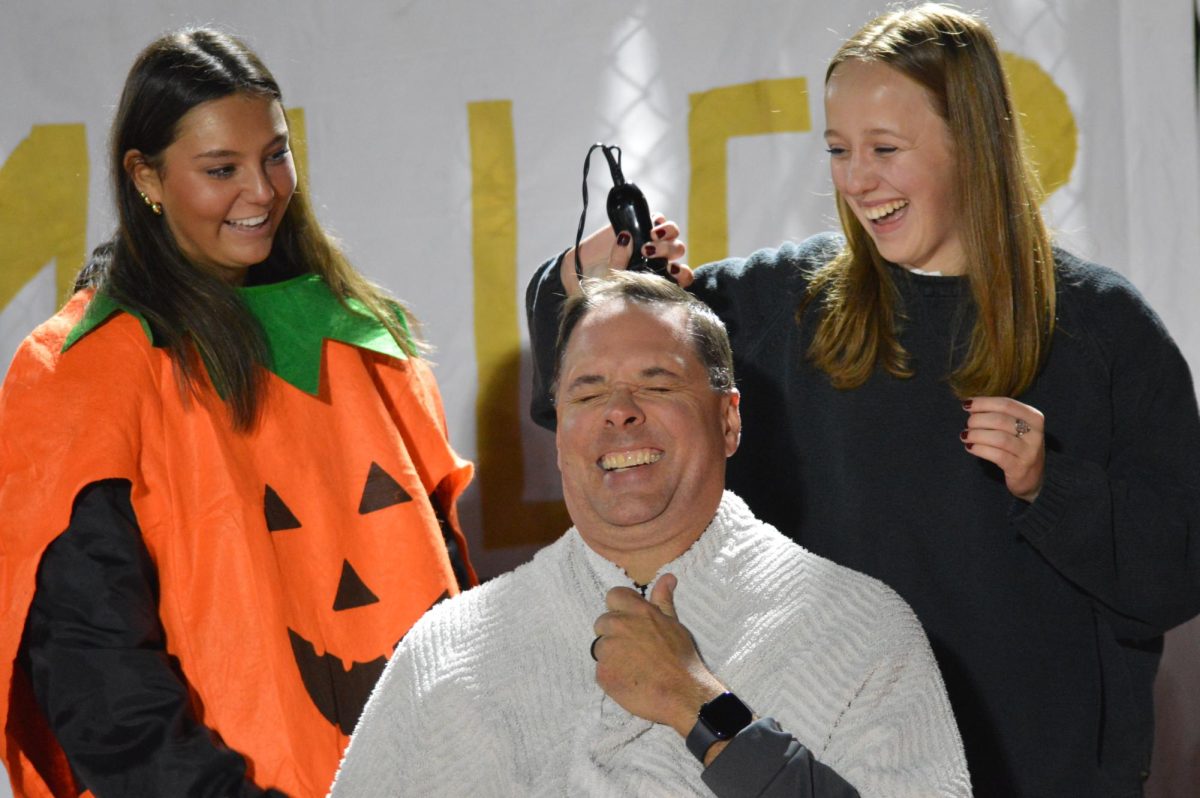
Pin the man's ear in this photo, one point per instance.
(731, 420)
(144, 176)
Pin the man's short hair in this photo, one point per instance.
(708, 334)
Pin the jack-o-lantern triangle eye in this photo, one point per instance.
(352, 591)
(380, 491)
(277, 513)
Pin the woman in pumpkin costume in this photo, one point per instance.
(225, 477)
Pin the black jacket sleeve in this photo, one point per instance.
(458, 559)
(544, 299)
(763, 761)
(95, 651)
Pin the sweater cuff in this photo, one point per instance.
(1066, 483)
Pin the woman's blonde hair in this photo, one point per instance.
(1010, 264)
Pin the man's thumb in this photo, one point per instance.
(663, 594)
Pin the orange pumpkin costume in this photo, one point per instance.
(291, 559)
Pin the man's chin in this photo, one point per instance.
(629, 513)
(635, 507)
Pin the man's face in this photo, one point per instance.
(642, 436)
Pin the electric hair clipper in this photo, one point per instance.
(627, 211)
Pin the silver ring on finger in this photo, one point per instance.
(1021, 427)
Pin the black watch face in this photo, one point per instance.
(726, 715)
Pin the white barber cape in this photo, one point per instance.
(493, 692)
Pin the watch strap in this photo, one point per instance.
(718, 719)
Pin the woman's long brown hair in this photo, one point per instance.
(199, 318)
(1010, 264)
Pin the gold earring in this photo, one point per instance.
(156, 208)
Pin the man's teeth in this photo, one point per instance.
(257, 221)
(611, 462)
(880, 211)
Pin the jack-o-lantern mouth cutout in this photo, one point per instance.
(340, 693)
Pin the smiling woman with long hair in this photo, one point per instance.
(227, 486)
(939, 397)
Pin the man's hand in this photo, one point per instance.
(646, 659)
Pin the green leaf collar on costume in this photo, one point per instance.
(296, 315)
(98, 310)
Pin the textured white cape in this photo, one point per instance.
(493, 692)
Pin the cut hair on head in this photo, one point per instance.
(706, 330)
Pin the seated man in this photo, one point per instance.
(682, 598)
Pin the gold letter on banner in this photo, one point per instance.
(508, 520)
(43, 208)
(1051, 138)
(298, 143)
(715, 116)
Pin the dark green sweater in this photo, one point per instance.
(1047, 619)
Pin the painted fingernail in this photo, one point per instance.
(623, 240)
(674, 269)
(660, 233)
(967, 404)
(962, 436)
(970, 445)
(648, 250)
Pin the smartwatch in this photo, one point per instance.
(720, 719)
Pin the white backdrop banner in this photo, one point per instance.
(443, 142)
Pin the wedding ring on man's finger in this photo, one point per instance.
(592, 649)
(1022, 427)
